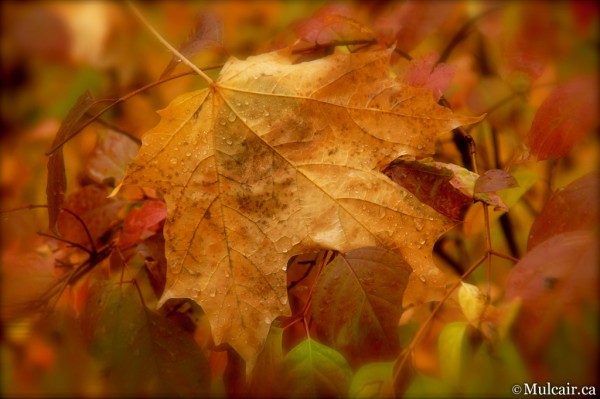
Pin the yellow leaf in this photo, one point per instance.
(277, 158)
(472, 302)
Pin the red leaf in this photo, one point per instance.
(368, 284)
(574, 207)
(422, 72)
(494, 180)
(56, 185)
(207, 34)
(141, 223)
(411, 21)
(553, 280)
(564, 118)
(533, 44)
(584, 12)
(98, 212)
(330, 23)
(433, 183)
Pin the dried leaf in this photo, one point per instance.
(207, 34)
(574, 207)
(56, 185)
(369, 284)
(314, 370)
(278, 158)
(564, 118)
(139, 350)
(554, 280)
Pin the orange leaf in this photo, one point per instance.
(277, 158)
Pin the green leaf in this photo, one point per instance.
(492, 371)
(312, 369)
(141, 353)
(373, 380)
(357, 304)
(423, 386)
(453, 349)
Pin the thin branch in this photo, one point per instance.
(469, 158)
(87, 232)
(89, 236)
(118, 130)
(403, 54)
(510, 97)
(71, 243)
(462, 33)
(165, 43)
(401, 360)
(120, 100)
(507, 257)
(488, 249)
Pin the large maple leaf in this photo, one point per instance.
(276, 158)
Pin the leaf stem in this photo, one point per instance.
(165, 43)
(488, 250)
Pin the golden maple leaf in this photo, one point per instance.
(276, 158)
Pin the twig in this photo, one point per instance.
(118, 130)
(120, 100)
(401, 360)
(462, 33)
(165, 43)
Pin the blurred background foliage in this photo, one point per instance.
(507, 64)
